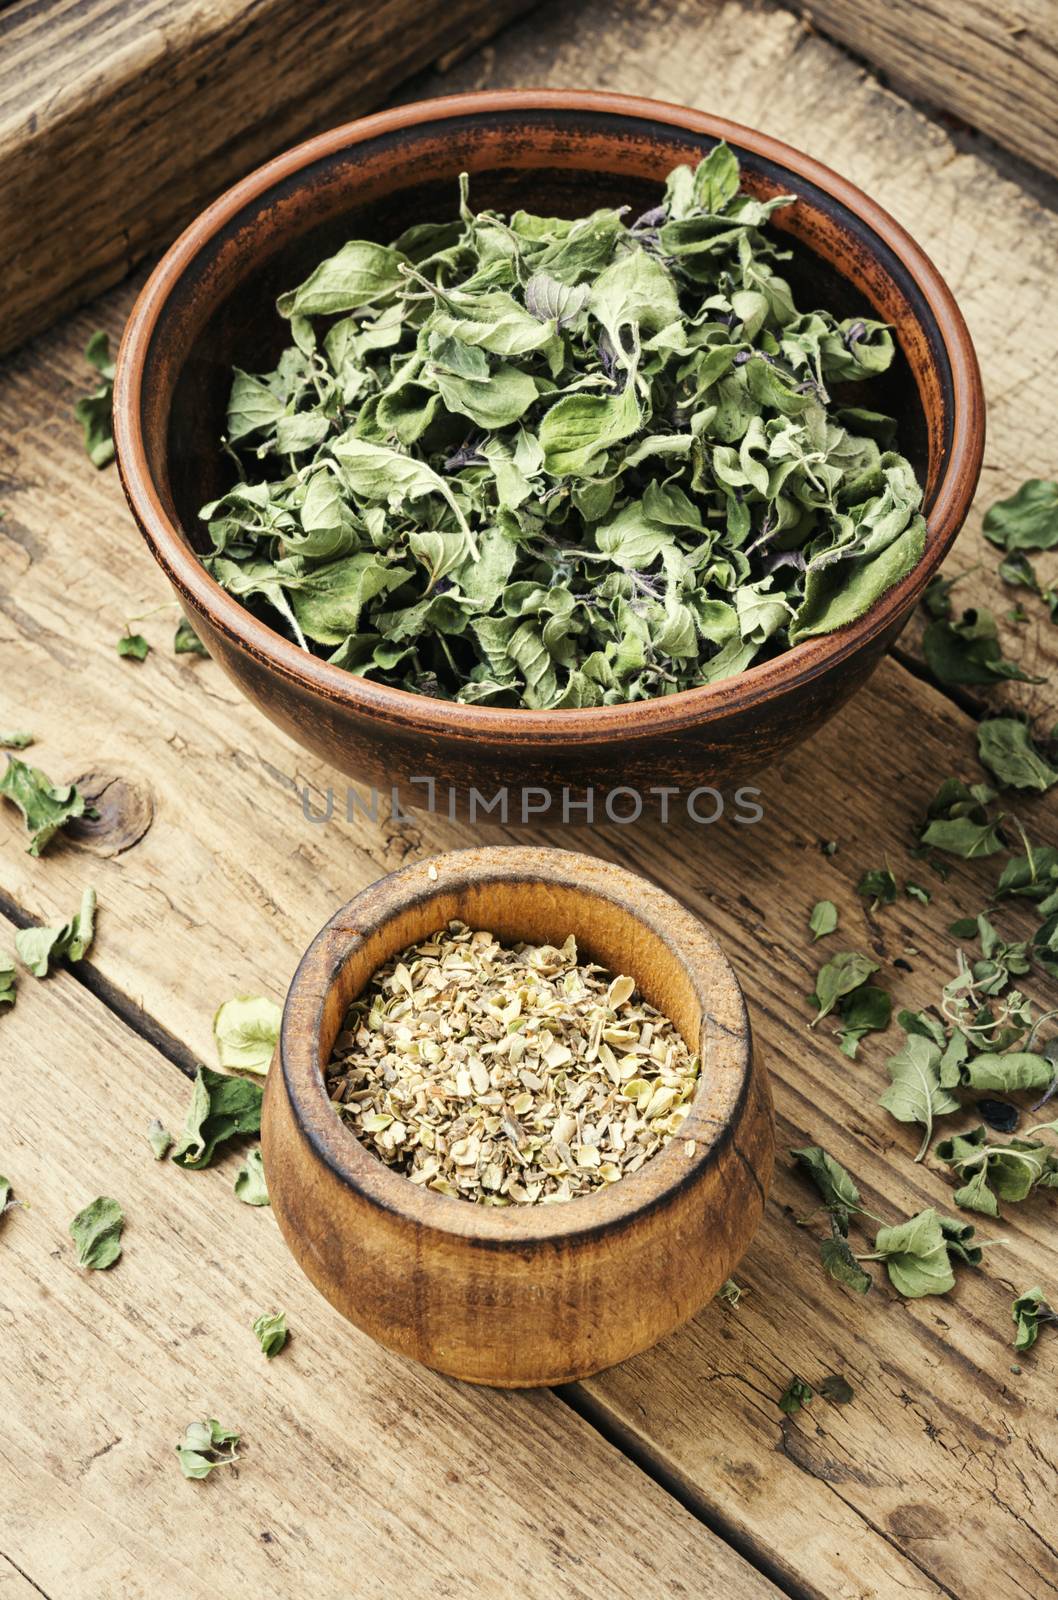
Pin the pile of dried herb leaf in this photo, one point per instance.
(509, 1074)
(536, 462)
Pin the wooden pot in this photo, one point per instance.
(210, 304)
(521, 1295)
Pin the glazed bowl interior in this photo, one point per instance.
(220, 311)
(677, 966)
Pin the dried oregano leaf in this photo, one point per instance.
(916, 1256)
(1005, 746)
(1030, 1311)
(1028, 520)
(96, 1232)
(206, 1445)
(222, 1108)
(537, 462)
(40, 947)
(245, 1030)
(160, 1139)
(838, 977)
(271, 1332)
(250, 1183)
(7, 1199)
(46, 806)
(796, 1395)
(134, 646)
(186, 641)
(916, 1093)
(95, 411)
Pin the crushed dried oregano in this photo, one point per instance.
(509, 1074)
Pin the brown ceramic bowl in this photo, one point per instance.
(526, 1294)
(210, 304)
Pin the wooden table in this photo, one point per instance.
(676, 1474)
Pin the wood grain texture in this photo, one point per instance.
(120, 119)
(993, 64)
(13, 1586)
(942, 1473)
(224, 891)
(360, 1473)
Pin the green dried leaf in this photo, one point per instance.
(133, 645)
(96, 1232)
(16, 741)
(7, 1199)
(993, 1172)
(958, 822)
(840, 976)
(206, 1445)
(221, 1108)
(46, 807)
(95, 411)
(867, 1009)
(246, 1030)
(186, 641)
(551, 301)
(8, 982)
(1029, 1312)
(842, 1265)
(271, 1332)
(360, 274)
(957, 1236)
(836, 1188)
(1005, 747)
(39, 948)
(879, 886)
(1028, 520)
(969, 652)
(1010, 1072)
(824, 919)
(837, 1390)
(796, 1395)
(161, 1140)
(250, 1183)
(916, 1093)
(916, 1256)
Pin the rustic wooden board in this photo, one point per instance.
(119, 118)
(942, 1472)
(13, 1586)
(354, 1460)
(231, 877)
(993, 64)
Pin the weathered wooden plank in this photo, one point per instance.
(227, 886)
(119, 119)
(361, 1472)
(994, 65)
(835, 1497)
(13, 1586)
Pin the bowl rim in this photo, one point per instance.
(514, 726)
(715, 1108)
